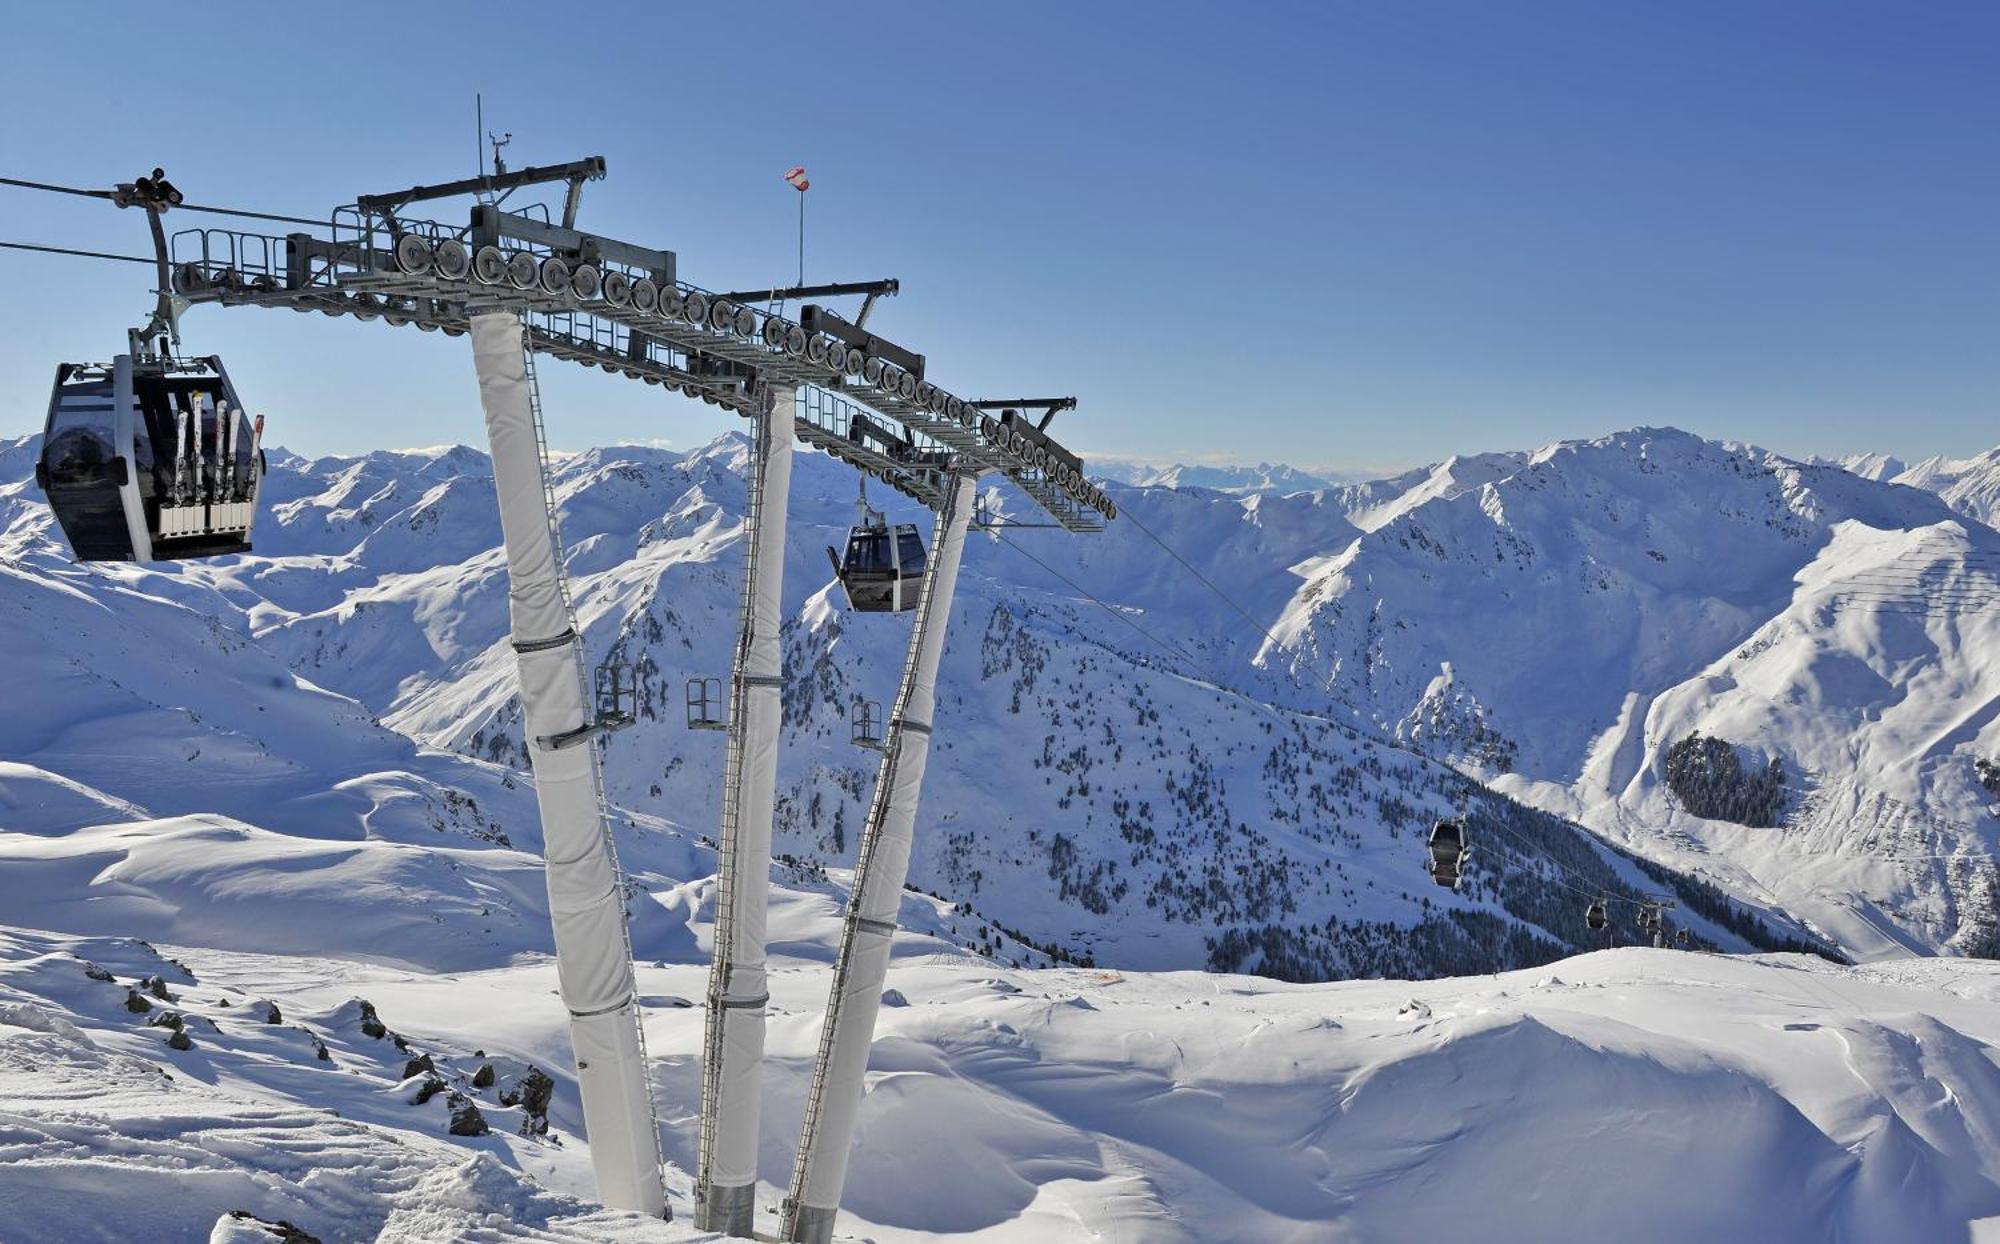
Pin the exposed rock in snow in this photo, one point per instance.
(532, 1092)
(465, 1117)
(242, 1227)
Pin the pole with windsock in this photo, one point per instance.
(797, 177)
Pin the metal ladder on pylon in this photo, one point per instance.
(548, 485)
(583, 691)
(726, 880)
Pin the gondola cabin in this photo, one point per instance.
(150, 461)
(1596, 917)
(1447, 851)
(883, 567)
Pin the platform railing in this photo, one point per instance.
(362, 272)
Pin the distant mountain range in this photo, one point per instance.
(1565, 619)
(1126, 783)
(1754, 674)
(1221, 477)
(1969, 485)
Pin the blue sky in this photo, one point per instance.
(1338, 235)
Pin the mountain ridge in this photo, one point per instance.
(1162, 814)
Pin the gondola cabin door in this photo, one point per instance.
(86, 461)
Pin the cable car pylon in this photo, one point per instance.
(594, 970)
(733, 1043)
(518, 282)
(881, 867)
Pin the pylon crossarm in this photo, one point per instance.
(620, 306)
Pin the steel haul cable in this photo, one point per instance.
(1531, 849)
(83, 192)
(66, 250)
(1175, 649)
(1207, 582)
(54, 189)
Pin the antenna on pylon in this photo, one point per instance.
(796, 176)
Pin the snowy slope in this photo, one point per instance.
(1111, 799)
(297, 770)
(1569, 621)
(107, 1134)
(1638, 1095)
(1219, 477)
(1875, 466)
(1969, 485)
(1881, 702)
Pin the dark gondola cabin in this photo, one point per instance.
(1447, 849)
(150, 462)
(883, 568)
(1595, 917)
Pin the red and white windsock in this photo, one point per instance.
(797, 176)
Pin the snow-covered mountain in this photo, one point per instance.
(1225, 777)
(1096, 789)
(1222, 477)
(1875, 466)
(1582, 612)
(299, 772)
(1969, 485)
(1637, 631)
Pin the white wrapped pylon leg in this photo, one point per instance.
(883, 865)
(586, 904)
(733, 1051)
